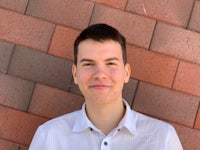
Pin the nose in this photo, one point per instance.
(100, 72)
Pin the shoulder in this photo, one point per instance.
(146, 123)
(53, 131)
(66, 122)
(157, 131)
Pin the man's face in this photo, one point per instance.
(100, 72)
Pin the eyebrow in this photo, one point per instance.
(112, 58)
(91, 60)
(86, 60)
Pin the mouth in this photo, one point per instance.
(100, 87)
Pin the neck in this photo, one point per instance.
(106, 117)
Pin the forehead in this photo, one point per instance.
(99, 49)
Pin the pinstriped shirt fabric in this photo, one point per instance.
(74, 131)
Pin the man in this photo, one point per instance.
(105, 121)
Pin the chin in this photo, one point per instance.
(103, 100)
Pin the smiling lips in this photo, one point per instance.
(100, 86)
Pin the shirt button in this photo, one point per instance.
(105, 143)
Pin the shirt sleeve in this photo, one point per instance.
(37, 141)
(173, 140)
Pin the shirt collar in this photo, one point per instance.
(128, 121)
(82, 121)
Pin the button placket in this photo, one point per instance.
(105, 145)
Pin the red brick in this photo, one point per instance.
(6, 50)
(66, 12)
(6, 145)
(63, 42)
(151, 67)
(189, 137)
(195, 18)
(173, 11)
(166, 104)
(187, 78)
(17, 5)
(113, 3)
(137, 29)
(197, 123)
(41, 67)
(25, 30)
(177, 42)
(15, 92)
(51, 102)
(18, 126)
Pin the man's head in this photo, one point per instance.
(100, 33)
(100, 68)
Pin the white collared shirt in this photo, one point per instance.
(136, 131)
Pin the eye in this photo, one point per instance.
(88, 64)
(111, 63)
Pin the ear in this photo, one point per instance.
(127, 73)
(74, 73)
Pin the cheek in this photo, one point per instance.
(117, 75)
(83, 75)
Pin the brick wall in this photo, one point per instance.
(36, 54)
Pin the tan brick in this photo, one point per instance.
(112, 3)
(128, 92)
(187, 78)
(189, 137)
(15, 92)
(51, 102)
(6, 145)
(6, 50)
(25, 30)
(23, 147)
(74, 88)
(173, 11)
(63, 41)
(177, 42)
(71, 13)
(41, 67)
(18, 126)
(136, 29)
(166, 104)
(151, 67)
(17, 5)
(197, 123)
(195, 18)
